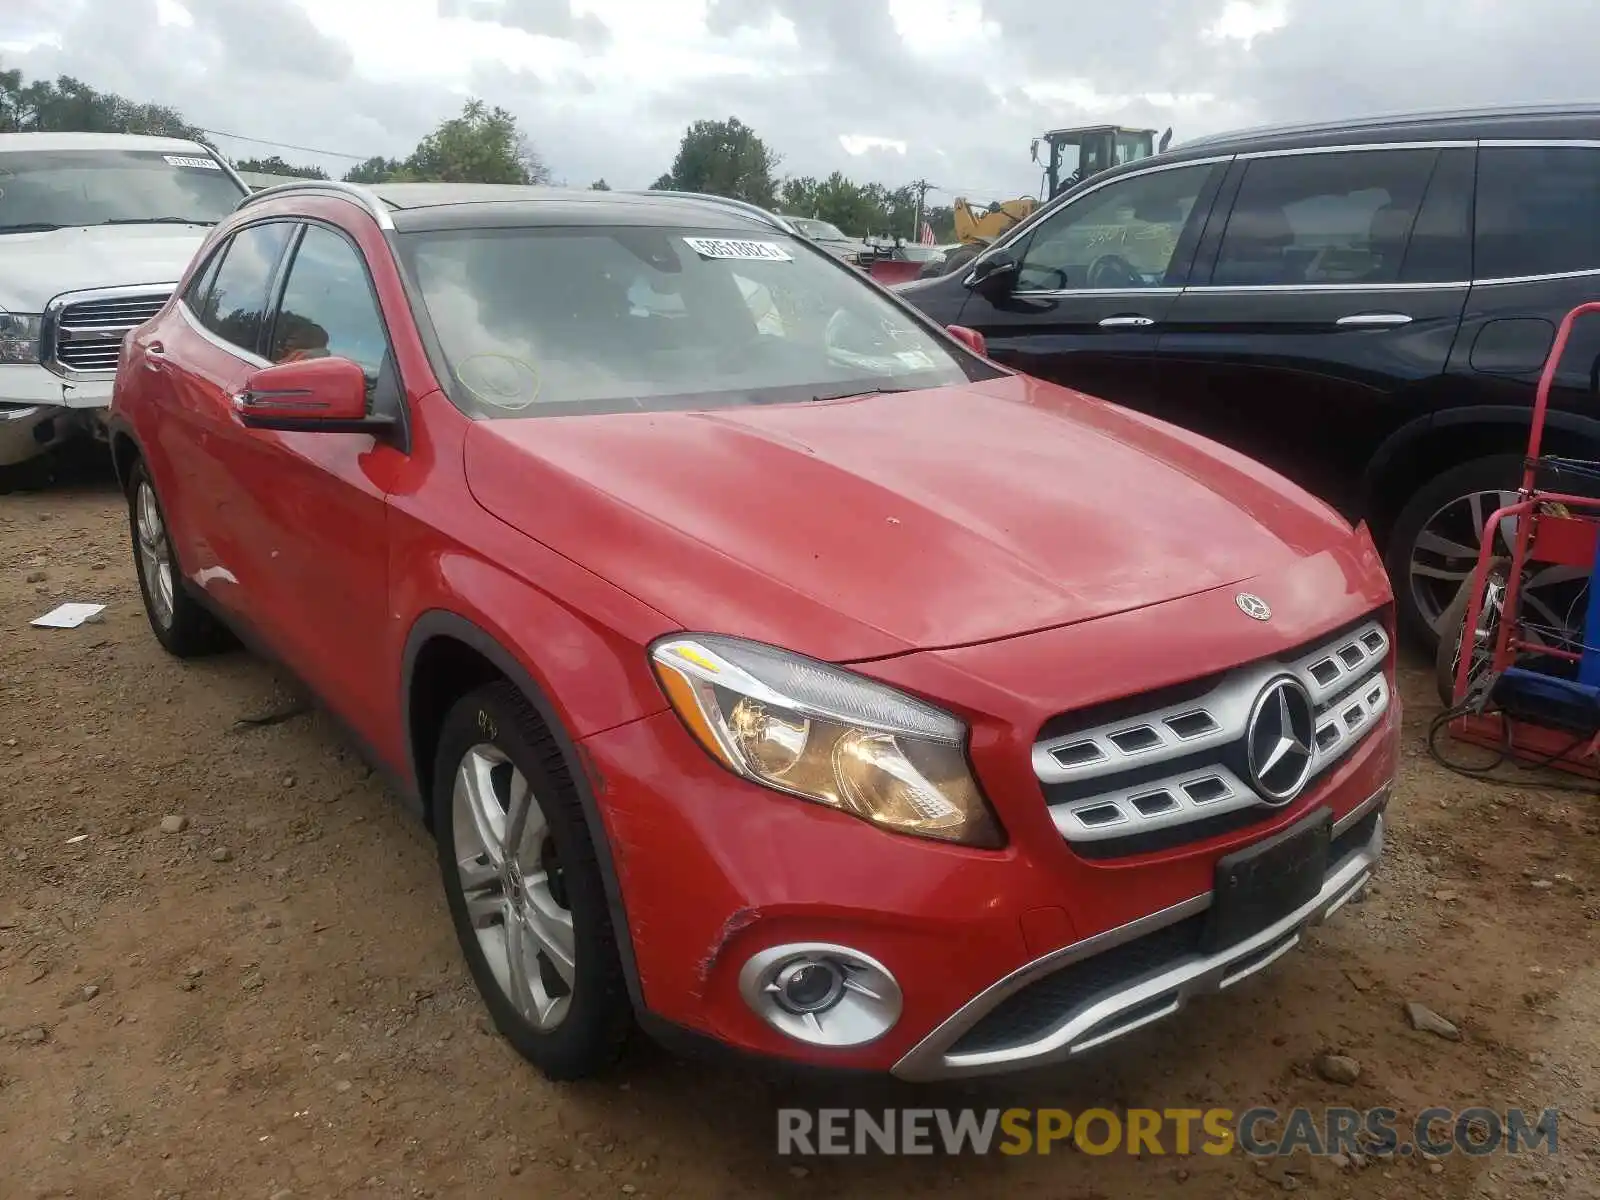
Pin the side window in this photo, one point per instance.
(235, 307)
(1441, 241)
(328, 309)
(1343, 217)
(1536, 211)
(200, 285)
(1124, 235)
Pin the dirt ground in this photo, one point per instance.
(269, 1004)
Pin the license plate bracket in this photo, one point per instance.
(1263, 883)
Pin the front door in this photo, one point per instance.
(317, 505)
(198, 356)
(1096, 282)
(1331, 294)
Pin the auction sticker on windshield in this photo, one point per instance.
(180, 160)
(738, 249)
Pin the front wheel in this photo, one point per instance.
(524, 887)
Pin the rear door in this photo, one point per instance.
(1325, 296)
(1097, 280)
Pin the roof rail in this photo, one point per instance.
(1417, 116)
(744, 207)
(352, 192)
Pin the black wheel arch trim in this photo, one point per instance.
(118, 426)
(1393, 446)
(436, 623)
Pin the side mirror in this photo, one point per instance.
(970, 338)
(317, 395)
(994, 277)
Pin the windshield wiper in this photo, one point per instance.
(156, 221)
(30, 227)
(877, 391)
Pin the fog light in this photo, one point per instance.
(809, 985)
(822, 994)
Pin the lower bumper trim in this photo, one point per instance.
(1160, 992)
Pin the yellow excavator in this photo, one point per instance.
(981, 228)
(1071, 156)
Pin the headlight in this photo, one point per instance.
(827, 735)
(19, 337)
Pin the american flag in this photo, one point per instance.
(927, 234)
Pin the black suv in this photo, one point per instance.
(1365, 306)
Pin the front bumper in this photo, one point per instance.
(714, 872)
(39, 409)
(28, 430)
(30, 383)
(1107, 986)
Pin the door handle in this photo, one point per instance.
(1373, 321)
(155, 356)
(1127, 322)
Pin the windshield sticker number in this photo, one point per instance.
(180, 160)
(738, 249)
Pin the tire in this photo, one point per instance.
(958, 258)
(1449, 510)
(181, 625)
(548, 900)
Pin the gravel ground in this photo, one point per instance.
(226, 970)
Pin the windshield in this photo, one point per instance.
(55, 189)
(819, 231)
(552, 321)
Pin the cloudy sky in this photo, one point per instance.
(891, 90)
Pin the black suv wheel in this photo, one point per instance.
(1434, 546)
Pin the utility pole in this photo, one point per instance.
(922, 187)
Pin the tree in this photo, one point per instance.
(482, 145)
(725, 158)
(276, 166)
(70, 105)
(856, 208)
(376, 169)
(599, 185)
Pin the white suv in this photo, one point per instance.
(95, 231)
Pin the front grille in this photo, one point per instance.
(87, 334)
(1172, 767)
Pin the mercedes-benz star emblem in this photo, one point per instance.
(1253, 606)
(1278, 740)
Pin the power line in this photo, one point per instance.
(239, 137)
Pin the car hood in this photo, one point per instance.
(35, 267)
(863, 528)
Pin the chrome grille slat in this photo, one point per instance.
(1225, 793)
(1349, 694)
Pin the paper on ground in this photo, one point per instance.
(68, 616)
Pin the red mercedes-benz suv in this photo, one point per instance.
(767, 663)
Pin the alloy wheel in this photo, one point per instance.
(511, 879)
(155, 560)
(1445, 554)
